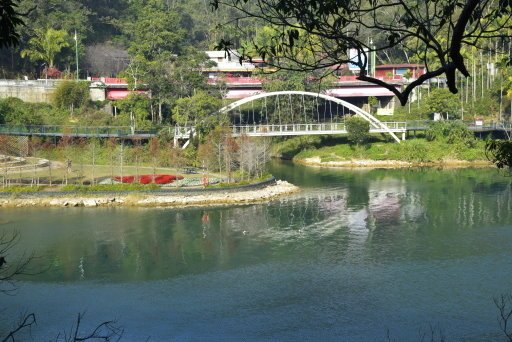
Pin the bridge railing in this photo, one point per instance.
(57, 130)
(286, 128)
(334, 127)
(472, 125)
(396, 125)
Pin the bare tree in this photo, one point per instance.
(10, 269)
(504, 305)
(106, 59)
(253, 156)
(154, 150)
(111, 147)
(25, 321)
(105, 331)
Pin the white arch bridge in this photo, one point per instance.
(310, 114)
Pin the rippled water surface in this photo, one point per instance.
(355, 256)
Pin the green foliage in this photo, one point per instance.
(71, 94)
(414, 150)
(14, 111)
(45, 45)
(372, 102)
(442, 101)
(499, 152)
(358, 130)
(199, 109)
(155, 30)
(408, 113)
(15, 189)
(135, 110)
(10, 21)
(452, 132)
(290, 147)
(485, 106)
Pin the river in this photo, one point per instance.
(357, 255)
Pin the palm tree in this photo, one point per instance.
(45, 45)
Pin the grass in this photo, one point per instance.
(14, 189)
(85, 173)
(411, 150)
(80, 178)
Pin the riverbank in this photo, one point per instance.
(390, 164)
(244, 196)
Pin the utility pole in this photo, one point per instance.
(372, 58)
(76, 53)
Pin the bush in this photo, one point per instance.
(453, 132)
(71, 94)
(414, 150)
(358, 130)
(14, 111)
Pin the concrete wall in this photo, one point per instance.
(28, 91)
(40, 90)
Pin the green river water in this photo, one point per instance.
(355, 256)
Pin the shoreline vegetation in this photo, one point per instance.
(444, 145)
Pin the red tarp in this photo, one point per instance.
(119, 94)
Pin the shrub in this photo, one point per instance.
(453, 132)
(358, 130)
(414, 150)
(71, 94)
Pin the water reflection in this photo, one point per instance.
(369, 216)
(355, 253)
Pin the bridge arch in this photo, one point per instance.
(365, 115)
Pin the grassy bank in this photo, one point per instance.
(417, 150)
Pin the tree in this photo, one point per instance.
(441, 101)
(71, 94)
(358, 130)
(46, 45)
(328, 30)
(200, 110)
(499, 152)
(219, 151)
(10, 20)
(135, 108)
(253, 156)
(172, 78)
(453, 132)
(155, 30)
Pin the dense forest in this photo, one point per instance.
(111, 32)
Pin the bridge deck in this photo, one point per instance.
(74, 131)
(274, 130)
(125, 132)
